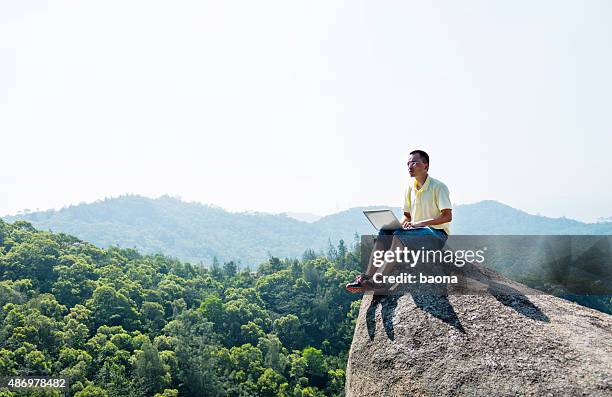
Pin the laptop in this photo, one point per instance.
(384, 219)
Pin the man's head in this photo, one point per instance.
(418, 163)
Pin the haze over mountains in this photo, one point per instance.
(303, 216)
(197, 233)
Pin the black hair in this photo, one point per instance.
(424, 156)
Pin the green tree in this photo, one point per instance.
(342, 253)
(110, 307)
(92, 391)
(115, 379)
(215, 270)
(212, 309)
(150, 373)
(168, 393)
(152, 317)
(32, 260)
(229, 269)
(273, 353)
(75, 280)
(290, 331)
(272, 384)
(194, 345)
(316, 368)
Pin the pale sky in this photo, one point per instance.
(306, 106)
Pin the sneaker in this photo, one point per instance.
(357, 285)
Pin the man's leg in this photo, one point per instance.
(413, 239)
(387, 267)
(381, 245)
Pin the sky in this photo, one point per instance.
(311, 106)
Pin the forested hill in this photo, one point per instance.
(197, 233)
(121, 324)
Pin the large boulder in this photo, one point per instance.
(506, 341)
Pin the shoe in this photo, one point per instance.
(357, 285)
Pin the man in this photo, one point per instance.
(427, 214)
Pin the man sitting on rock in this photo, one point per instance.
(427, 215)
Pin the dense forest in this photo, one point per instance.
(119, 323)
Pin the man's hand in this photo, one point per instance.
(446, 215)
(408, 224)
(405, 221)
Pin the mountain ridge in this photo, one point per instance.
(199, 232)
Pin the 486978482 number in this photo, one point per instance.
(33, 382)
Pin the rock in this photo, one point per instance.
(490, 344)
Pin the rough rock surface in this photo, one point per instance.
(490, 344)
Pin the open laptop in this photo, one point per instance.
(383, 219)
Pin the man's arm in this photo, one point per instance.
(406, 219)
(446, 215)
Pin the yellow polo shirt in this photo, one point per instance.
(427, 202)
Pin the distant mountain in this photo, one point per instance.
(492, 217)
(197, 233)
(482, 218)
(303, 216)
(190, 231)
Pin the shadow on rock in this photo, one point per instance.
(439, 307)
(505, 294)
(434, 300)
(517, 301)
(388, 303)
